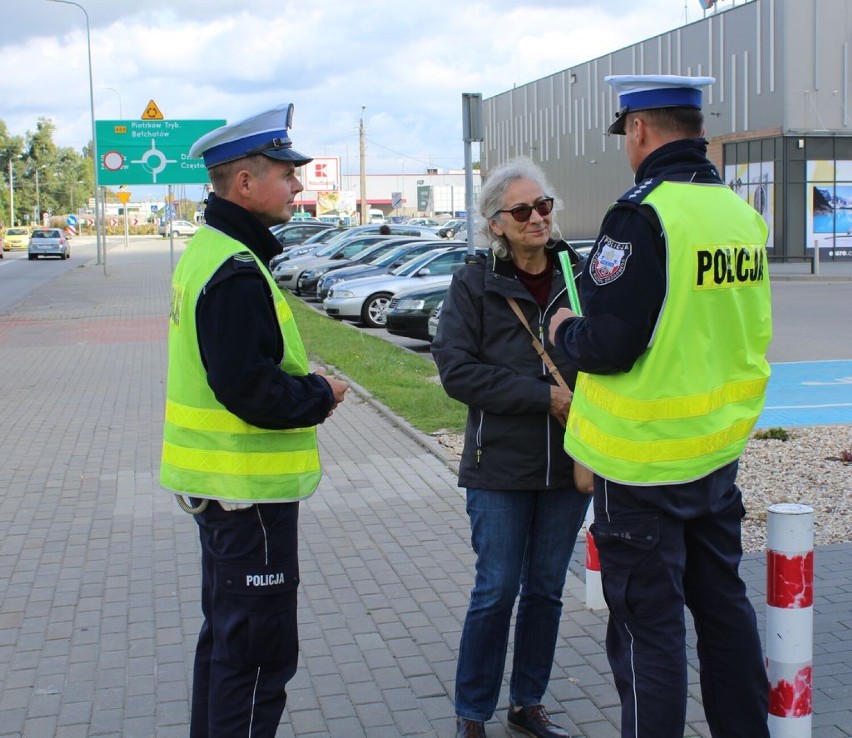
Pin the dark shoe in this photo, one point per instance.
(535, 722)
(469, 728)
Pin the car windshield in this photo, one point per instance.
(321, 237)
(16, 232)
(415, 264)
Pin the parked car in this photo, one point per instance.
(16, 238)
(383, 265)
(48, 242)
(365, 299)
(289, 274)
(308, 246)
(291, 233)
(306, 286)
(177, 228)
(428, 222)
(432, 323)
(373, 228)
(447, 229)
(408, 312)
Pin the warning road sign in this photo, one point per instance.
(152, 112)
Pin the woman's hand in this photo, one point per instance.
(560, 402)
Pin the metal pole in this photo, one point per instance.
(468, 195)
(101, 247)
(471, 131)
(11, 195)
(364, 206)
(168, 226)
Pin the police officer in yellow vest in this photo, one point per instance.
(671, 351)
(240, 427)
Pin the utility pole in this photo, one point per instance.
(364, 205)
(11, 195)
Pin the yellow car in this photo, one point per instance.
(16, 238)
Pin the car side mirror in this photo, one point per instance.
(424, 272)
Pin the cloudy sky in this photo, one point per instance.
(408, 62)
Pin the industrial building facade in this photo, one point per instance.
(777, 120)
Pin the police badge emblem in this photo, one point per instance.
(610, 261)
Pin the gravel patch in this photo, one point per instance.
(812, 467)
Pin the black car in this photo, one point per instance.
(408, 312)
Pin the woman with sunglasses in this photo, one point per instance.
(524, 510)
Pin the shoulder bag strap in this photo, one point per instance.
(539, 349)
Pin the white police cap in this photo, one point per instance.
(265, 133)
(649, 91)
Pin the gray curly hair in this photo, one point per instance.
(491, 200)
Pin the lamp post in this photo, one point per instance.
(364, 205)
(100, 247)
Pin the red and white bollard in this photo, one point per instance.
(594, 588)
(790, 618)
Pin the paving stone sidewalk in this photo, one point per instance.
(99, 568)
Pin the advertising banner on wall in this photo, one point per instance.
(337, 203)
(829, 207)
(755, 183)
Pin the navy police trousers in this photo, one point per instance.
(662, 548)
(248, 645)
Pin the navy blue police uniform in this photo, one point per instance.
(247, 648)
(666, 525)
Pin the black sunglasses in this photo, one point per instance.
(522, 213)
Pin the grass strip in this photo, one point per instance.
(405, 382)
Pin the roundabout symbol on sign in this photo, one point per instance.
(154, 160)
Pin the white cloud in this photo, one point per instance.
(408, 63)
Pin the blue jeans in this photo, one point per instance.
(523, 541)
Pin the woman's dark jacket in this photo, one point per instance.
(486, 361)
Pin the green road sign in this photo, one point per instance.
(150, 152)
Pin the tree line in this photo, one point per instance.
(39, 176)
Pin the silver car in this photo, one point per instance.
(365, 299)
(48, 242)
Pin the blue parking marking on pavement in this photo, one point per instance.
(808, 393)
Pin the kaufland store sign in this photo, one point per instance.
(322, 174)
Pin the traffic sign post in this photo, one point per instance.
(124, 198)
(150, 152)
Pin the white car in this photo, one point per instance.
(178, 228)
(365, 299)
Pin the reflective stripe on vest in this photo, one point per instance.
(690, 401)
(208, 451)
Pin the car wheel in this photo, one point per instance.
(177, 234)
(373, 311)
(31, 257)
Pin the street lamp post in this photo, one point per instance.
(364, 205)
(101, 247)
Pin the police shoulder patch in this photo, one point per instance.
(609, 260)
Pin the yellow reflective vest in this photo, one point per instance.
(207, 451)
(689, 403)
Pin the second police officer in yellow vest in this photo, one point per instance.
(671, 353)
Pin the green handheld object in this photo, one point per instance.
(573, 297)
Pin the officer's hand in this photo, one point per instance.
(559, 317)
(560, 402)
(338, 388)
